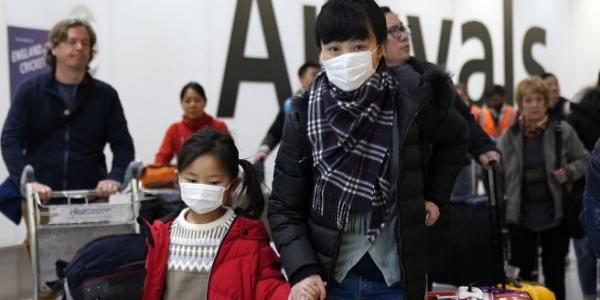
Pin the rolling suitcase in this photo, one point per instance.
(489, 236)
(536, 291)
(479, 293)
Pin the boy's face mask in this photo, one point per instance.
(202, 198)
(351, 70)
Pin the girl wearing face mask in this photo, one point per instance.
(351, 193)
(210, 250)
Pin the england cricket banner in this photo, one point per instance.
(26, 53)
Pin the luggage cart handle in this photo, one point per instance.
(27, 176)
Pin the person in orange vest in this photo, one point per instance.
(496, 116)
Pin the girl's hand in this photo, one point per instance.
(311, 287)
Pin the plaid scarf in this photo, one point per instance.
(532, 130)
(351, 137)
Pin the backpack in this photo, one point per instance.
(110, 267)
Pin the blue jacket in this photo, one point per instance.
(65, 145)
(590, 215)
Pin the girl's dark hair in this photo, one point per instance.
(343, 20)
(546, 75)
(222, 147)
(194, 86)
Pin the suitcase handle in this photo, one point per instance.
(495, 219)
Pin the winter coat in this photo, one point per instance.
(590, 215)
(433, 142)
(479, 141)
(574, 161)
(179, 132)
(585, 119)
(245, 267)
(65, 145)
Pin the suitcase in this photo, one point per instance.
(479, 227)
(536, 290)
(479, 293)
(459, 260)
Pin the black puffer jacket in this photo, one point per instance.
(433, 143)
(585, 119)
(479, 141)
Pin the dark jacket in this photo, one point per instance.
(561, 110)
(479, 141)
(433, 141)
(66, 145)
(585, 119)
(590, 215)
(273, 136)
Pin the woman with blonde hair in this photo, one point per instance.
(542, 156)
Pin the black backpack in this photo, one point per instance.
(110, 267)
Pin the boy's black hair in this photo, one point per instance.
(494, 90)
(222, 147)
(305, 66)
(386, 10)
(546, 75)
(343, 20)
(194, 86)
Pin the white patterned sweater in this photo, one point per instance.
(193, 247)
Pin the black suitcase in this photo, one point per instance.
(464, 245)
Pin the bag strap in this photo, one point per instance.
(558, 145)
(395, 159)
(80, 100)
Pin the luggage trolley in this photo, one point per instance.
(57, 231)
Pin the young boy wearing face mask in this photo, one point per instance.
(209, 250)
(344, 209)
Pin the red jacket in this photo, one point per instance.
(179, 132)
(245, 267)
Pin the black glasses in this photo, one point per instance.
(399, 32)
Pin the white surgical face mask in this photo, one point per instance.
(349, 71)
(202, 198)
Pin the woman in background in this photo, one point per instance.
(193, 101)
(535, 182)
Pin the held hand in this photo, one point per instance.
(486, 158)
(107, 187)
(44, 191)
(433, 213)
(560, 175)
(260, 155)
(311, 287)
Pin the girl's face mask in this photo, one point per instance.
(202, 198)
